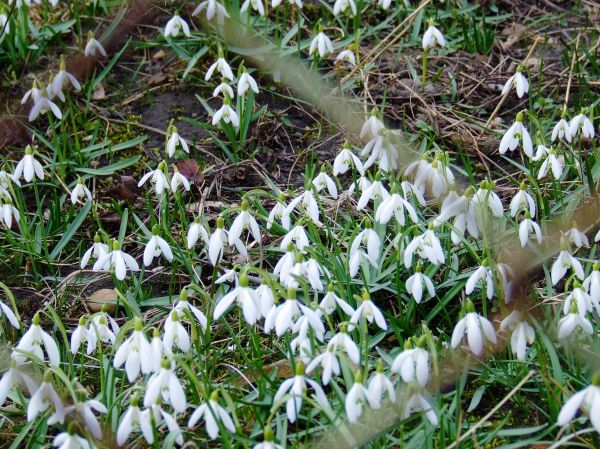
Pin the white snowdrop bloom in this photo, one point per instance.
(174, 141)
(573, 320)
(63, 78)
(213, 413)
(562, 130)
(485, 274)
(155, 414)
(419, 283)
(518, 81)
(276, 3)
(257, 5)
(268, 441)
(380, 384)
(374, 192)
(322, 181)
(285, 263)
(51, 94)
(134, 353)
(385, 4)
(580, 297)
(175, 25)
(156, 247)
(591, 284)
(227, 114)
(357, 397)
(182, 305)
(44, 397)
(427, 246)
(103, 328)
(526, 227)
(368, 310)
(157, 177)
(408, 189)
(97, 250)
(438, 178)
(165, 385)
(433, 37)
(309, 204)
(372, 126)
(118, 259)
(79, 336)
(465, 217)
(6, 179)
(563, 262)
(196, 231)
(302, 342)
(8, 212)
(576, 237)
(279, 213)
(243, 221)
(522, 334)
(28, 167)
(131, 419)
(93, 46)
(515, 135)
(328, 361)
(346, 55)
(522, 201)
(486, 198)
(331, 301)
(229, 276)
(220, 66)
(84, 408)
(395, 205)
(157, 350)
(32, 342)
(416, 402)
(342, 341)
(70, 440)
(552, 162)
(246, 80)
(313, 272)
(217, 242)
(582, 123)
(363, 183)
(341, 6)
(213, 8)
(321, 44)
(587, 400)
(9, 314)
(35, 93)
(356, 255)
(265, 297)
(175, 334)
(295, 390)
(288, 312)
(80, 191)
(246, 299)
(15, 376)
(346, 159)
(413, 363)
(477, 328)
(223, 89)
(382, 151)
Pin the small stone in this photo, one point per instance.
(104, 296)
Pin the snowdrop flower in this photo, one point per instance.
(155, 414)
(522, 333)
(582, 123)
(157, 350)
(34, 93)
(385, 4)
(85, 408)
(223, 89)
(477, 328)
(551, 162)
(63, 78)
(395, 205)
(561, 130)
(28, 167)
(518, 81)
(522, 201)
(131, 418)
(419, 283)
(290, 310)
(174, 141)
(295, 389)
(409, 189)
(486, 198)
(320, 44)
(70, 440)
(322, 180)
(576, 237)
(14, 376)
(227, 114)
(342, 5)
(346, 55)
(175, 334)
(413, 363)
(265, 298)
(309, 204)
(33, 341)
(372, 126)
(563, 262)
(328, 362)
(165, 384)
(244, 220)
(375, 191)
(368, 310)
(382, 151)
(580, 297)
(433, 37)
(437, 177)
(285, 263)
(515, 135)
(8, 212)
(356, 255)
(156, 247)
(118, 259)
(427, 246)
(245, 297)
(268, 441)
(257, 5)
(97, 250)
(44, 397)
(157, 177)
(568, 324)
(175, 25)
(279, 213)
(246, 81)
(6, 179)
(485, 274)
(212, 7)
(378, 386)
(331, 301)
(220, 66)
(93, 46)
(134, 353)
(526, 227)
(356, 398)
(10, 315)
(343, 341)
(346, 159)
(79, 191)
(586, 399)
(417, 403)
(213, 413)
(217, 242)
(79, 336)
(195, 231)
(465, 216)
(182, 305)
(591, 284)
(99, 330)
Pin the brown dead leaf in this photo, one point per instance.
(125, 189)
(160, 54)
(191, 170)
(99, 92)
(157, 78)
(514, 32)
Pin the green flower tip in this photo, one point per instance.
(346, 145)
(48, 376)
(183, 296)
(422, 341)
(72, 428)
(135, 400)
(299, 369)
(97, 238)
(519, 117)
(244, 205)
(323, 169)
(214, 396)
(155, 229)
(116, 245)
(299, 257)
(220, 222)
(358, 377)
(596, 379)
(36, 319)
(156, 333)
(380, 367)
(82, 321)
(596, 266)
(91, 35)
(365, 295)
(63, 64)
(330, 288)
(344, 328)
(573, 308)
(244, 281)
(28, 149)
(527, 215)
(197, 219)
(368, 223)
(408, 344)
(268, 434)
(291, 293)
(522, 186)
(165, 363)
(469, 307)
(138, 325)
